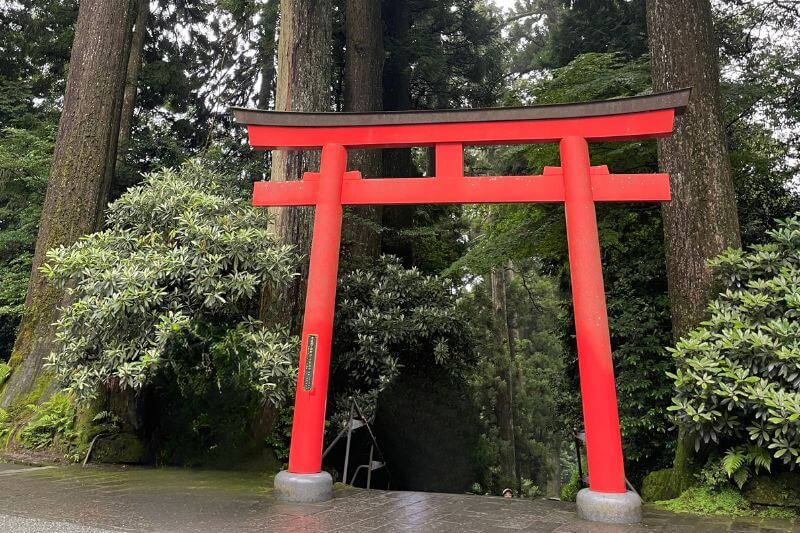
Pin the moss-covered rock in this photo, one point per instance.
(265, 461)
(666, 484)
(656, 486)
(120, 448)
(775, 490)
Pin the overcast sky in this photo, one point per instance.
(505, 4)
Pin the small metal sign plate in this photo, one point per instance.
(311, 353)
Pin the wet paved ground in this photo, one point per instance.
(98, 499)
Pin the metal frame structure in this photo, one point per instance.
(355, 421)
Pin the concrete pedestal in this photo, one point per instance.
(303, 488)
(611, 508)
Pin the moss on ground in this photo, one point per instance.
(728, 502)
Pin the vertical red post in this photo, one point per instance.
(598, 392)
(305, 452)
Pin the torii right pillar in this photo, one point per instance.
(606, 499)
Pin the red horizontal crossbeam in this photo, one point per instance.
(631, 126)
(619, 119)
(548, 187)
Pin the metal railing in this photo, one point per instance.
(355, 421)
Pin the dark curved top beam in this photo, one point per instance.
(676, 100)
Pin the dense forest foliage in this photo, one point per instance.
(143, 300)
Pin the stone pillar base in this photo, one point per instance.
(612, 508)
(303, 488)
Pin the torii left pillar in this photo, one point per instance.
(305, 481)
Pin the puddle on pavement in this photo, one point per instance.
(156, 479)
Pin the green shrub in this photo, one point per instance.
(178, 270)
(529, 489)
(210, 398)
(713, 475)
(476, 488)
(738, 374)
(389, 317)
(569, 492)
(280, 438)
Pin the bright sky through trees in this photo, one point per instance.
(505, 4)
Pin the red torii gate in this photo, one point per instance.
(575, 183)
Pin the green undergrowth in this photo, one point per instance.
(569, 492)
(5, 372)
(52, 426)
(727, 502)
(52, 423)
(49, 425)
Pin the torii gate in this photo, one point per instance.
(575, 183)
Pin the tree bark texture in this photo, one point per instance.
(112, 154)
(363, 91)
(397, 97)
(701, 219)
(132, 77)
(303, 84)
(514, 376)
(80, 175)
(505, 373)
(269, 16)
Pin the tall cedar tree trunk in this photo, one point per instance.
(514, 377)
(80, 175)
(701, 219)
(267, 416)
(363, 91)
(397, 97)
(304, 78)
(126, 403)
(505, 365)
(269, 16)
(132, 78)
